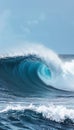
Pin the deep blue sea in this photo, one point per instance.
(37, 91)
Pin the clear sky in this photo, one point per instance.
(50, 22)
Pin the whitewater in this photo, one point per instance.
(36, 89)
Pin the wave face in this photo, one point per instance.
(37, 90)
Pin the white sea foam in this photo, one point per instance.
(56, 113)
(69, 67)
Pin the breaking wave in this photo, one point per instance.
(37, 69)
(56, 113)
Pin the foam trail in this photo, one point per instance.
(53, 112)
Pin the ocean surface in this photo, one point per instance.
(37, 91)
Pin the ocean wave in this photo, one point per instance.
(37, 90)
(58, 113)
(37, 69)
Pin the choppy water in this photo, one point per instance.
(37, 91)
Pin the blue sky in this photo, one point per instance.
(49, 22)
